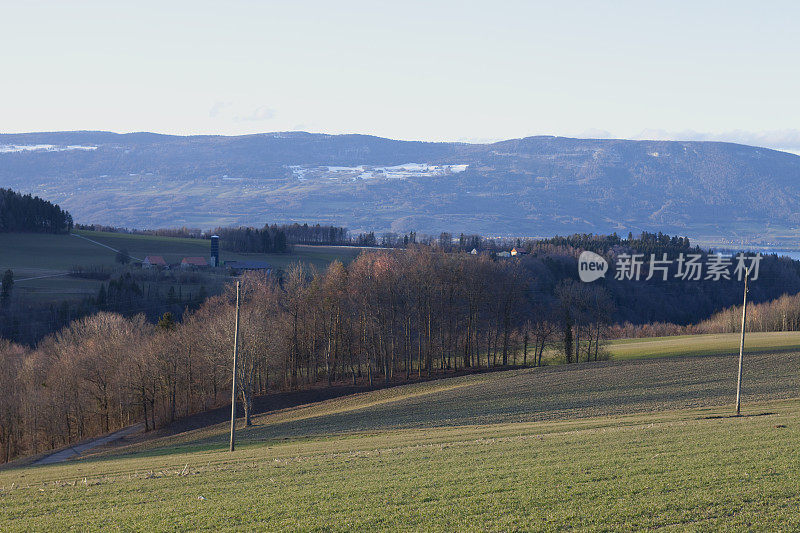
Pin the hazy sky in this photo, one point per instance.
(407, 70)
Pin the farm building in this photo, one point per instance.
(518, 251)
(215, 250)
(194, 262)
(503, 254)
(154, 261)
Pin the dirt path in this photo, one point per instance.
(77, 449)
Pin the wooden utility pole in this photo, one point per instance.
(235, 353)
(741, 345)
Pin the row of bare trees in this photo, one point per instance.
(388, 316)
(780, 314)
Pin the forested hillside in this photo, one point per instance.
(674, 300)
(535, 186)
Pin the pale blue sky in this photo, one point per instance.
(406, 70)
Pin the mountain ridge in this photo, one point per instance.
(532, 186)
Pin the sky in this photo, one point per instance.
(436, 71)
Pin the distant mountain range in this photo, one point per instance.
(535, 186)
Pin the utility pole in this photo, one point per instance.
(741, 345)
(235, 353)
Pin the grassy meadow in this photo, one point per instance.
(40, 262)
(174, 249)
(620, 445)
(702, 344)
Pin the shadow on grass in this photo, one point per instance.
(714, 417)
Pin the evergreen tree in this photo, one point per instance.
(102, 295)
(26, 213)
(8, 284)
(167, 321)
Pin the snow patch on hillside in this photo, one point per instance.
(367, 172)
(18, 148)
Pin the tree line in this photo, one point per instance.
(780, 314)
(31, 214)
(390, 315)
(271, 238)
(267, 240)
(314, 234)
(387, 316)
(183, 232)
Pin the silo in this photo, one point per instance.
(215, 250)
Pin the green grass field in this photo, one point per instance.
(620, 445)
(174, 249)
(702, 344)
(39, 261)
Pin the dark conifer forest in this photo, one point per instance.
(31, 214)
